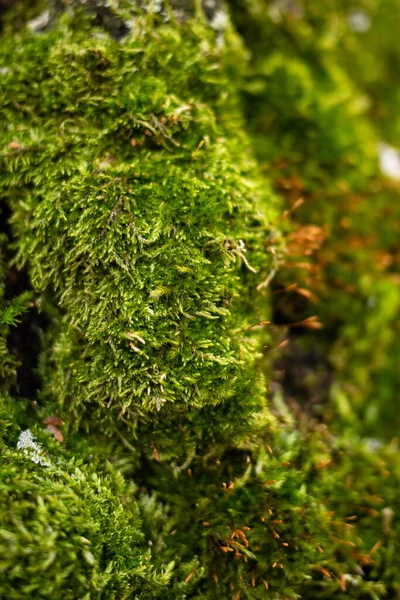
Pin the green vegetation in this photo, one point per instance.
(200, 302)
(68, 532)
(122, 159)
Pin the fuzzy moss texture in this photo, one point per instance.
(184, 188)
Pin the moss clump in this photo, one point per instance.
(296, 513)
(133, 208)
(69, 532)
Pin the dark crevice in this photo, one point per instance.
(305, 378)
(5, 5)
(302, 371)
(24, 339)
(24, 342)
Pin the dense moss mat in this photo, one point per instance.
(137, 208)
(296, 514)
(160, 177)
(70, 531)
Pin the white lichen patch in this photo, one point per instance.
(32, 450)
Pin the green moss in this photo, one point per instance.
(133, 207)
(10, 313)
(66, 530)
(139, 174)
(301, 513)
